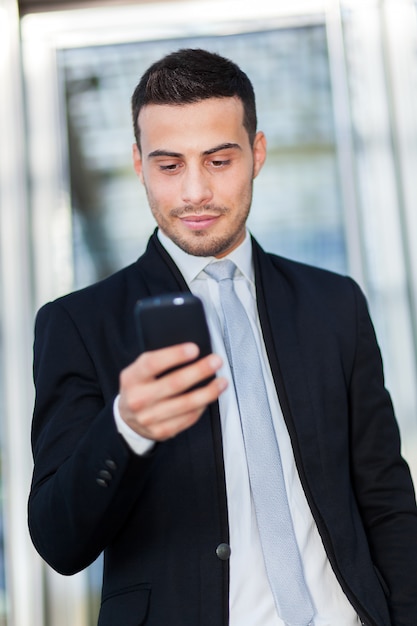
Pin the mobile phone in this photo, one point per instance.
(170, 319)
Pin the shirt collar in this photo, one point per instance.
(190, 266)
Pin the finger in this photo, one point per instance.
(151, 364)
(143, 394)
(155, 362)
(174, 414)
(188, 376)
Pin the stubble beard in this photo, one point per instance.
(202, 243)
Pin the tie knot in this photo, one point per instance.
(221, 270)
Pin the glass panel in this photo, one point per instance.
(297, 208)
(381, 174)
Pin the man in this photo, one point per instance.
(160, 478)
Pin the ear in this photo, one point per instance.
(137, 162)
(259, 152)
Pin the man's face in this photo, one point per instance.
(198, 166)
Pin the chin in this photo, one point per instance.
(203, 245)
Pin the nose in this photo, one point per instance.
(196, 186)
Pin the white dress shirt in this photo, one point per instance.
(251, 601)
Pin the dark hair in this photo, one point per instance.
(188, 76)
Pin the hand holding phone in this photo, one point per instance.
(148, 402)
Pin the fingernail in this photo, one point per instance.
(222, 384)
(191, 350)
(215, 361)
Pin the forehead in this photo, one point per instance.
(214, 120)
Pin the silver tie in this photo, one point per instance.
(279, 545)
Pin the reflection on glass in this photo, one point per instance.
(297, 207)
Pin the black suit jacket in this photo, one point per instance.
(160, 518)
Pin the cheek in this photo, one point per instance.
(154, 187)
(165, 197)
(161, 195)
(241, 188)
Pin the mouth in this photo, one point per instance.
(199, 222)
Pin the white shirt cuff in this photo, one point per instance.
(140, 445)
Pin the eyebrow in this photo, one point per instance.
(168, 153)
(222, 146)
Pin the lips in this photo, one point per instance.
(199, 222)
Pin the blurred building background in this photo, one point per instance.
(336, 84)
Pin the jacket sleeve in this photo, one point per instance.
(85, 479)
(381, 477)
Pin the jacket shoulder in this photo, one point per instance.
(310, 278)
(106, 290)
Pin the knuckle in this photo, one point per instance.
(145, 419)
(188, 402)
(164, 431)
(195, 402)
(136, 400)
(175, 383)
(124, 378)
(147, 360)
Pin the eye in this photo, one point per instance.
(217, 163)
(169, 167)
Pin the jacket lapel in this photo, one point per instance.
(277, 305)
(159, 271)
(161, 275)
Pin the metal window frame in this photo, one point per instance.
(23, 566)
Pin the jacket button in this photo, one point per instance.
(105, 475)
(110, 464)
(223, 551)
(102, 482)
